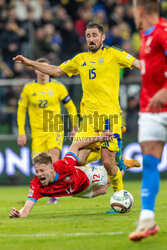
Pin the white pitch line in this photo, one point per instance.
(58, 234)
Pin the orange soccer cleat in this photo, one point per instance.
(123, 129)
(131, 163)
(145, 228)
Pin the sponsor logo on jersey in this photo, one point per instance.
(92, 62)
(34, 94)
(84, 64)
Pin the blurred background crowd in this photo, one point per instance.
(55, 29)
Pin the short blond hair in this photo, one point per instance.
(149, 6)
(42, 158)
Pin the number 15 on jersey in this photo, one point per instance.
(92, 74)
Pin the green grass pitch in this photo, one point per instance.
(77, 223)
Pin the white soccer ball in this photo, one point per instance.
(122, 201)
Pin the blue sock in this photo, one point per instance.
(150, 182)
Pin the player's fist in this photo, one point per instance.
(14, 213)
(22, 59)
(21, 140)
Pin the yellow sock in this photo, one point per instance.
(116, 181)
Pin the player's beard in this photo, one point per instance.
(95, 47)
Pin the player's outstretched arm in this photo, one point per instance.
(24, 212)
(46, 69)
(136, 64)
(77, 145)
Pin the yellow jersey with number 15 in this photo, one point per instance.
(100, 76)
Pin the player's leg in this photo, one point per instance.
(152, 143)
(54, 146)
(109, 149)
(98, 181)
(152, 151)
(122, 163)
(38, 144)
(101, 190)
(83, 155)
(114, 173)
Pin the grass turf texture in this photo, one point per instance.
(76, 223)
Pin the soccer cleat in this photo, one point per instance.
(144, 229)
(53, 200)
(111, 211)
(131, 163)
(123, 129)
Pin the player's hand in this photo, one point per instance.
(21, 140)
(22, 59)
(14, 213)
(73, 131)
(106, 135)
(158, 101)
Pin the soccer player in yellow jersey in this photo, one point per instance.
(42, 98)
(99, 70)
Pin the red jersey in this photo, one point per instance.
(153, 56)
(69, 180)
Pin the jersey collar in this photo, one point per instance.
(149, 31)
(57, 177)
(49, 80)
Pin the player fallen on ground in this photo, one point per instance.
(42, 98)
(99, 69)
(64, 178)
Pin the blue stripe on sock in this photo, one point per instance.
(150, 182)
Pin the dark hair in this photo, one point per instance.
(92, 25)
(150, 6)
(43, 60)
(42, 158)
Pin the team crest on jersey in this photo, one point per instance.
(50, 92)
(68, 179)
(30, 192)
(101, 60)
